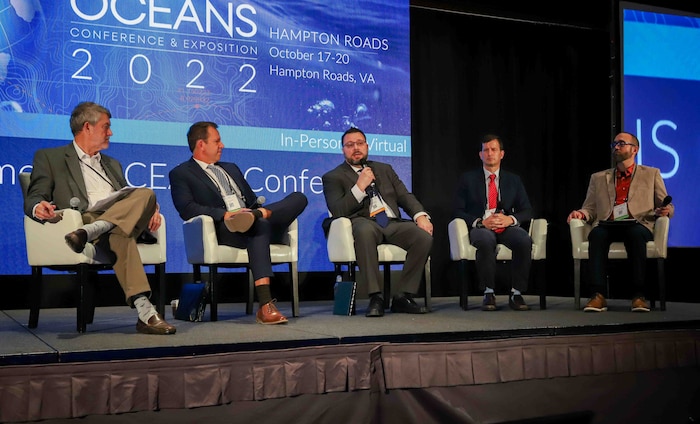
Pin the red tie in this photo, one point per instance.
(493, 197)
(493, 192)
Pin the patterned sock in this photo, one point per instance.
(514, 292)
(97, 228)
(144, 307)
(264, 294)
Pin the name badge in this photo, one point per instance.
(232, 203)
(620, 211)
(376, 205)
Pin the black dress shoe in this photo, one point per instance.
(489, 302)
(517, 303)
(407, 305)
(376, 307)
(77, 240)
(146, 238)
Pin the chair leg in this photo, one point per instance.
(387, 285)
(464, 284)
(541, 282)
(35, 297)
(89, 294)
(197, 273)
(351, 271)
(577, 284)
(213, 292)
(295, 288)
(662, 282)
(251, 293)
(160, 277)
(82, 277)
(338, 271)
(428, 286)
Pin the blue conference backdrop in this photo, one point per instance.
(283, 79)
(660, 104)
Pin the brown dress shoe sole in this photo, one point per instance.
(77, 240)
(240, 223)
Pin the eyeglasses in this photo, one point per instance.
(352, 144)
(620, 143)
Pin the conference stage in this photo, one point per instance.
(552, 365)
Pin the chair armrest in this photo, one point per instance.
(538, 234)
(46, 244)
(579, 234)
(152, 254)
(460, 246)
(200, 240)
(661, 228)
(340, 242)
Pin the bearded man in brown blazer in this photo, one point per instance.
(633, 195)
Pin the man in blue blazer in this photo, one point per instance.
(494, 219)
(204, 186)
(350, 191)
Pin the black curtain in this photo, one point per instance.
(544, 87)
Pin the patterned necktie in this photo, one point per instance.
(493, 192)
(224, 183)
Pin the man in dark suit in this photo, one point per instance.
(495, 206)
(204, 186)
(363, 191)
(79, 171)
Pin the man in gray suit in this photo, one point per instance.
(630, 196)
(79, 171)
(365, 191)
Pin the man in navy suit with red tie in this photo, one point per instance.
(495, 206)
(205, 186)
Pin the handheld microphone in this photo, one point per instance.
(363, 164)
(666, 201)
(74, 203)
(260, 200)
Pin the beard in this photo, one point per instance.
(621, 156)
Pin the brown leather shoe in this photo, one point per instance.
(240, 222)
(597, 303)
(639, 304)
(517, 303)
(269, 314)
(77, 240)
(489, 302)
(156, 325)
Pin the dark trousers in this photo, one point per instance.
(514, 238)
(406, 234)
(257, 240)
(635, 238)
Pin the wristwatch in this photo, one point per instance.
(479, 223)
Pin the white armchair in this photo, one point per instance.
(341, 251)
(656, 249)
(203, 249)
(462, 251)
(46, 248)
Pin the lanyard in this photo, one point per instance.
(99, 173)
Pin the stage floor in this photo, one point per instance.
(112, 336)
